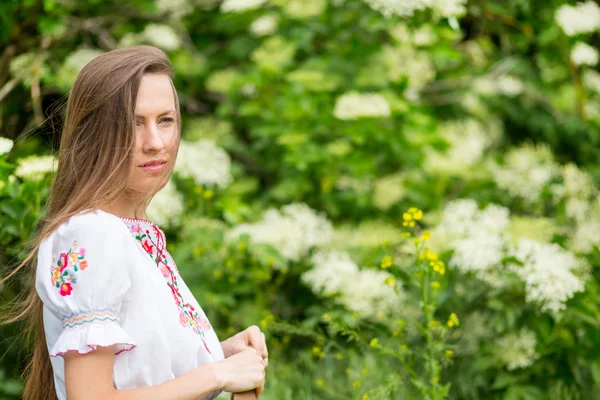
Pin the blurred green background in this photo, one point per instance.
(310, 127)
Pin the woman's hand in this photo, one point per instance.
(250, 337)
(241, 372)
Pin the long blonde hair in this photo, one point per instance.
(94, 164)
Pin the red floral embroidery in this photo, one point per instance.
(63, 273)
(66, 289)
(153, 242)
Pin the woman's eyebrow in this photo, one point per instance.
(170, 111)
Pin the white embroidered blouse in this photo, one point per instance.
(106, 280)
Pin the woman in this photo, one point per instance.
(113, 317)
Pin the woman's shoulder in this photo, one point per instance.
(93, 222)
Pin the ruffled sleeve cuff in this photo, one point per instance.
(84, 336)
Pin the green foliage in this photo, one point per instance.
(332, 106)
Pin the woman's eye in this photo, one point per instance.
(167, 120)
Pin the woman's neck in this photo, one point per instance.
(126, 207)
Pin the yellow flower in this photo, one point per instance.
(407, 216)
(411, 224)
(453, 321)
(356, 384)
(418, 215)
(426, 235)
(198, 250)
(365, 396)
(380, 314)
(385, 243)
(326, 317)
(405, 235)
(364, 371)
(339, 356)
(434, 323)
(404, 347)
(449, 354)
(316, 350)
(435, 285)
(386, 262)
(431, 256)
(416, 240)
(438, 266)
(242, 246)
(347, 371)
(320, 382)
(389, 281)
(374, 343)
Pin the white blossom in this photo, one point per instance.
(586, 235)
(548, 272)
(240, 5)
(353, 105)
(584, 54)
(176, 8)
(517, 350)
(264, 25)
(449, 8)
(162, 36)
(591, 79)
(35, 167)
(80, 58)
(407, 8)
(478, 237)
(166, 206)
(362, 291)
(468, 140)
(509, 85)
(5, 145)
(389, 190)
(405, 61)
(528, 170)
(293, 231)
(205, 162)
(581, 18)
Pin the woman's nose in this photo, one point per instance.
(152, 140)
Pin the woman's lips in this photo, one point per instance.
(153, 167)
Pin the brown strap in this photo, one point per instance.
(250, 395)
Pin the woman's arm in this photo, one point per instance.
(90, 377)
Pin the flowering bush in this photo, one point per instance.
(309, 129)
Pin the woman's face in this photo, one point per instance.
(156, 134)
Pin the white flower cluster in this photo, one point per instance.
(548, 273)
(478, 237)
(175, 8)
(205, 162)
(302, 9)
(581, 18)
(468, 140)
(354, 105)
(505, 84)
(584, 54)
(35, 167)
(263, 26)
(162, 36)
(591, 80)
(362, 291)
(408, 62)
(407, 8)
(576, 189)
(528, 170)
(79, 58)
(240, 5)
(5, 145)
(293, 231)
(166, 207)
(517, 350)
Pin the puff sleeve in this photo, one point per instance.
(82, 277)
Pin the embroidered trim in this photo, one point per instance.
(82, 318)
(153, 242)
(63, 274)
(93, 347)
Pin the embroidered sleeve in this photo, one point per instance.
(82, 278)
